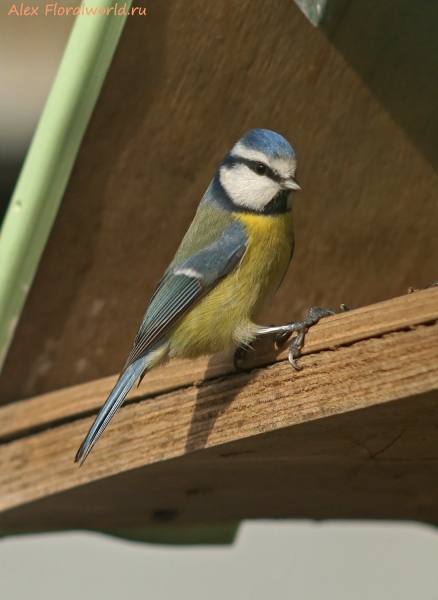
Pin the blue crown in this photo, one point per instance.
(272, 144)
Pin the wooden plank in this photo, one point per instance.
(379, 463)
(368, 373)
(19, 418)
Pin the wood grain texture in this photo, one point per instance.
(375, 463)
(186, 82)
(355, 405)
(19, 418)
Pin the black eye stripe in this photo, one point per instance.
(252, 165)
(238, 160)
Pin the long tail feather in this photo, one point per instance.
(109, 409)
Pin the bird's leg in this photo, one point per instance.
(282, 333)
(239, 354)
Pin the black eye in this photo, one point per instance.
(260, 169)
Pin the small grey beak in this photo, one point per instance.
(291, 184)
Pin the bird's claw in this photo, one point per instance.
(295, 349)
(301, 328)
(281, 333)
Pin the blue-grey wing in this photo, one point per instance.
(185, 284)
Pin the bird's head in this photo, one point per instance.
(259, 172)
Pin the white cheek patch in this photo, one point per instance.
(246, 188)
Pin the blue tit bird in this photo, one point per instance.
(229, 264)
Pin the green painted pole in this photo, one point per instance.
(51, 156)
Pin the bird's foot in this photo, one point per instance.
(282, 333)
(301, 328)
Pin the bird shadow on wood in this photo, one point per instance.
(216, 394)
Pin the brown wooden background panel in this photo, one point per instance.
(379, 463)
(393, 47)
(185, 83)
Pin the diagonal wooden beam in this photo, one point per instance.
(20, 418)
(354, 364)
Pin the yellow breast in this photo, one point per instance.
(225, 315)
